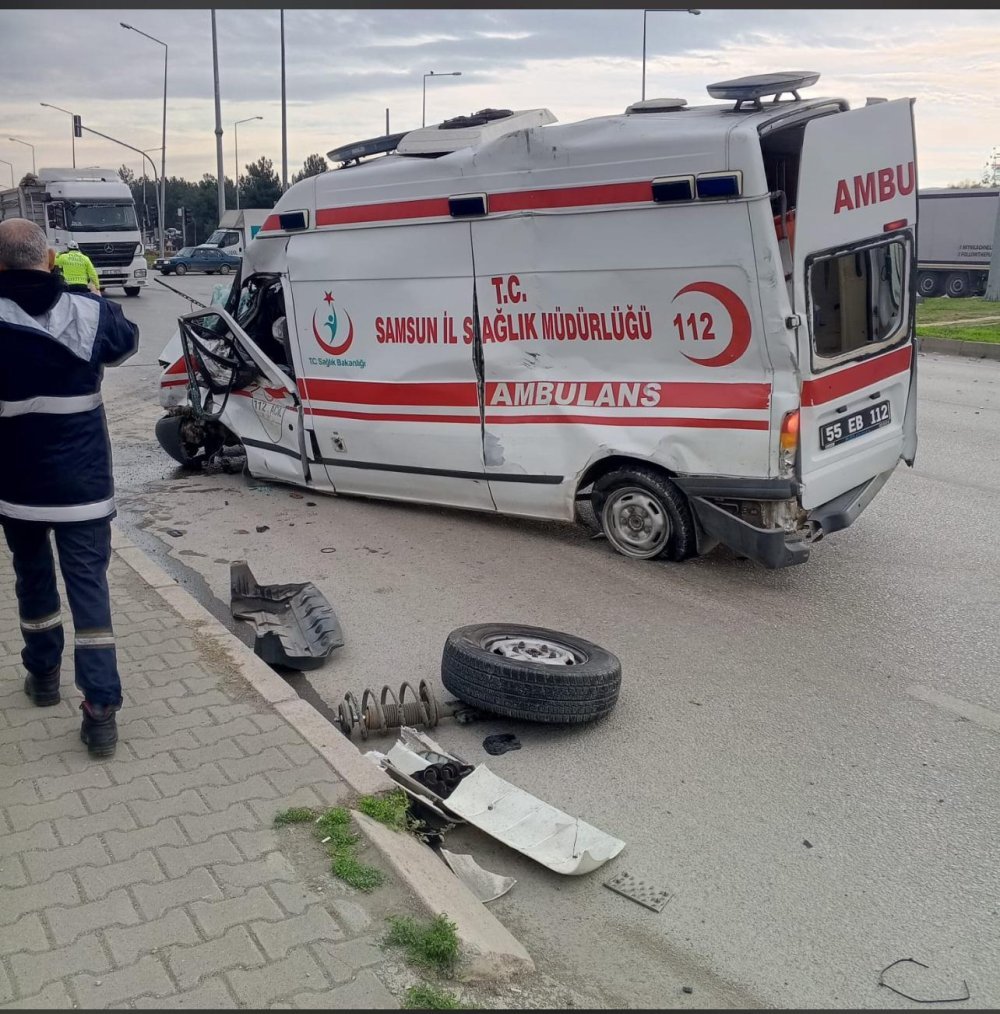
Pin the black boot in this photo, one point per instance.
(100, 729)
(43, 690)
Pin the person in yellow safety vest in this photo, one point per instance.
(77, 269)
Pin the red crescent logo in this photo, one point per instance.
(738, 314)
(335, 350)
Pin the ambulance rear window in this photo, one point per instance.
(857, 300)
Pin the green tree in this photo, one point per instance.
(126, 174)
(313, 166)
(260, 187)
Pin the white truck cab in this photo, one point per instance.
(95, 208)
(694, 323)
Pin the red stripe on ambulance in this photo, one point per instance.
(542, 393)
(839, 385)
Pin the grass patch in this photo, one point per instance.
(424, 996)
(932, 311)
(431, 944)
(390, 809)
(988, 334)
(294, 815)
(333, 829)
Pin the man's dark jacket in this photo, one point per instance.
(54, 345)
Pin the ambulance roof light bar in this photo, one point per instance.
(757, 86)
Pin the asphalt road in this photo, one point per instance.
(807, 759)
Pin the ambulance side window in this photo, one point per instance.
(856, 299)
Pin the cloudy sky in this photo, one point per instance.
(344, 67)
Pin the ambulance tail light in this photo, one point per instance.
(788, 441)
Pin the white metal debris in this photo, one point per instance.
(484, 885)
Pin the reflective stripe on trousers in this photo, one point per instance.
(51, 405)
(84, 553)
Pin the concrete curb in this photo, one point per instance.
(489, 949)
(954, 347)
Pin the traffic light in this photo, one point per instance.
(77, 127)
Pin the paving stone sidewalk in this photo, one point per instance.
(155, 879)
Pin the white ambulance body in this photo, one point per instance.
(696, 320)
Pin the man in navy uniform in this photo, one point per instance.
(55, 472)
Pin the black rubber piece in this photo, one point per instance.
(501, 743)
(533, 691)
(683, 540)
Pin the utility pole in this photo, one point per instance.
(284, 122)
(218, 124)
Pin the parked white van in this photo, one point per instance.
(694, 323)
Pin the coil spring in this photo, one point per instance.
(389, 711)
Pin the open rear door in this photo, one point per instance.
(854, 269)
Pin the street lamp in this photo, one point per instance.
(450, 73)
(31, 146)
(658, 10)
(145, 209)
(10, 164)
(236, 144)
(72, 132)
(163, 153)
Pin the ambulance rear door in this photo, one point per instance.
(854, 271)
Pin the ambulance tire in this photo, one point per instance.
(647, 497)
(494, 679)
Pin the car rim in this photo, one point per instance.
(635, 522)
(532, 649)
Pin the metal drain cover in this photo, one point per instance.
(638, 890)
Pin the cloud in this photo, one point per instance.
(345, 67)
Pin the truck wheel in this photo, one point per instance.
(181, 269)
(132, 290)
(531, 673)
(644, 515)
(957, 285)
(929, 284)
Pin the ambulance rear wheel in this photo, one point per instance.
(644, 515)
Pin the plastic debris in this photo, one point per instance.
(501, 743)
(484, 885)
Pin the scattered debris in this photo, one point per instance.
(514, 817)
(808, 844)
(918, 999)
(687, 989)
(175, 533)
(328, 549)
(295, 625)
(443, 778)
(523, 822)
(295, 496)
(263, 528)
(484, 885)
(389, 711)
(638, 890)
(501, 743)
(310, 503)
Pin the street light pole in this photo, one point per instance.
(31, 146)
(236, 144)
(163, 153)
(218, 124)
(658, 10)
(107, 137)
(72, 132)
(423, 108)
(284, 123)
(11, 166)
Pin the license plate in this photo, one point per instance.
(854, 425)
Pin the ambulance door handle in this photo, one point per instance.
(793, 321)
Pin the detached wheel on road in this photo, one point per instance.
(644, 515)
(957, 285)
(530, 673)
(181, 269)
(929, 284)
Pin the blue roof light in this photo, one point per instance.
(719, 186)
